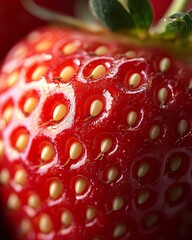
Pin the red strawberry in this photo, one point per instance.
(96, 135)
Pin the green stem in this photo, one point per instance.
(176, 6)
(53, 16)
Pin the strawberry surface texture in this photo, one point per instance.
(95, 138)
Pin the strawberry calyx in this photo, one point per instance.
(129, 16)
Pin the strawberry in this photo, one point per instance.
(95, 131)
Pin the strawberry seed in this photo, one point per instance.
(55, 189)
(13, 202)
(66, 218)
(59, 112)
(96, 108)
(45, 223)
(117, 203)
(38, 73)
(67, 73)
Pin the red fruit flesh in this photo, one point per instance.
(95, 139)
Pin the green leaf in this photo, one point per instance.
(179, 25)
(141, 12)
(111, 14)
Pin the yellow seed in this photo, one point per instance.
(182, 127)
(21, 142)
(66, 218)
(102, 50)
(151, 220)
(117, 203)
(70, 48)
(13, 202)
(130, 54)
(30, 104)
(143, 169)
(162, 95)
(4, 176)
(38, 73)
(55, 189)
(143, 197)
(20, 52)
(20, 177)
(106, 144)
(175, 193)
(47, 153)
(164, 64)
(96, 107)
(13, 78)
(25, 226)
(75, 150)
(190, 84)
(45, 224)
(134, 80)
(175, 163)
(98, 71)
(59, 112)
(90, 213)
(131, 118)
(34, 201)
(80, 185)
(112, 173)
(1, 149)
(119, 230)
(7, 114)
(43, 46)
(154, 132)
(67, 73)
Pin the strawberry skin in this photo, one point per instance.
(95, 139)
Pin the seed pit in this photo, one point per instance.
(29, 102)
(55, 109)
(20, 139)
(96, 69)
